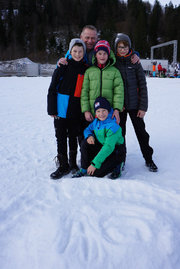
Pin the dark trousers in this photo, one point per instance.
(89, 151)
(66, 128)
(141, 134)
(83, 125)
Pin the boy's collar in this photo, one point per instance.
(127, 55)
(101, 66)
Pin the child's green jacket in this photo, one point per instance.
(106, 82)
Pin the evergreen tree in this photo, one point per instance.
(140, 33)
(46, 26)
(3, 40)
(155, 23)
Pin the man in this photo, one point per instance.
(89, 35)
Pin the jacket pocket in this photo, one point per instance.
(79, 83)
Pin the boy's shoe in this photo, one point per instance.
(73, 169)
(152, 167)
(60, 172)
(63, 167)
(80, 173)
(117, 171)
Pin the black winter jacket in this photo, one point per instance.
(64, 91)
(135, 88)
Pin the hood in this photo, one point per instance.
(108, 119)
(112, 59)
(109, 122)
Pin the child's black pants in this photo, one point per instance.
(89, 151)
(141, 134)
(66, 128)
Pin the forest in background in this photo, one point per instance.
(41, 29)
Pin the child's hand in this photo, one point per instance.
(135, 59)
(91, 140)
(88, 116)
(62, 61)
(141, 113)
(116, 115)
(91, 169)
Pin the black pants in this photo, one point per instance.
(89, 151)
(82, 126)
(141, 134)
(66, 128)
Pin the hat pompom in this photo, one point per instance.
(102, 45)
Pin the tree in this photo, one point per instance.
(140, 33)
(155, 23)
(3, 40)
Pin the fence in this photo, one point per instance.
(24, 67)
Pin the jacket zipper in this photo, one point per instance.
(101, 82)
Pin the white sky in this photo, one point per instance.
(164, 2)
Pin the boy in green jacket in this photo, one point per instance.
(102, 79)
(102, 149)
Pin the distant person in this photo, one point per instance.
(102, 150)
(176, 70)
(89, 35)
(154, 69)
(64, 106)
(135, 96)
(160, 69)
(164, 70)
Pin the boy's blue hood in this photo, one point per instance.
(107, 120)
(109, 117)
(97, 125)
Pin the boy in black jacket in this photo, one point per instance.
(135, 96)
(64, 105)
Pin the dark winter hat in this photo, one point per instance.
(102, 102)
(75, 41)
(102, 45)
(121, 37)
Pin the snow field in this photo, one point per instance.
(132, 222)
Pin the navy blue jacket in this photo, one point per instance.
(135, 88)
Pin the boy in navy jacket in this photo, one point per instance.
(135, 96)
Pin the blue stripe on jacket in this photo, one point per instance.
(62, 104)
(109, 123)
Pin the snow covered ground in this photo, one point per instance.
(86, 223)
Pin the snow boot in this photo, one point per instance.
(63, 168)
(80, 173)
(117, 171)
(152, 167)
(72, 161)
